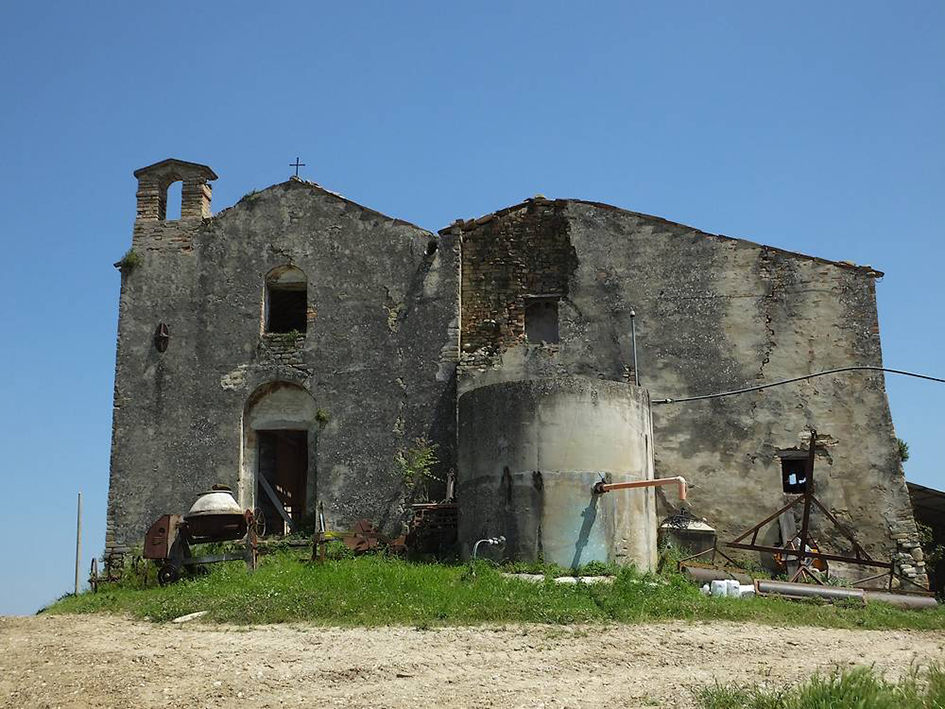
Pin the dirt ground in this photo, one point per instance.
(99, 661)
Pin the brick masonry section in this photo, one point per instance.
(507, 258)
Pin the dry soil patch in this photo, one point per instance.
(100, 661)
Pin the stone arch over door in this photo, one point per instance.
(278, 406)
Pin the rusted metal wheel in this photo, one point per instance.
(259, 522)
(168, 574)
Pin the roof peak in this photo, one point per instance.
(172, 164)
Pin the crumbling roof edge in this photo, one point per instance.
(471, 224)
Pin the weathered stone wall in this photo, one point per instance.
(378, 356)
(715, 314)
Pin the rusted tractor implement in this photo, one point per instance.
(215, 517)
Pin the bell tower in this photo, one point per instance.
(154, 180)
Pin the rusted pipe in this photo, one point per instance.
(765, 587)
(902, 600)
(679, 481)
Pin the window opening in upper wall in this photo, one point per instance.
(794, 474)
(172, 200)
(286, 301)
(541, 320)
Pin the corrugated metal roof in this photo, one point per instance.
(927, 498)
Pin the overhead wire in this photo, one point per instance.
(746, 390)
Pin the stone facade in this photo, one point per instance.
(377, 357)
(400, 322)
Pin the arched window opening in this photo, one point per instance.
(172, 201)
(286, 301)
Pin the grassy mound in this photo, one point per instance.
(376, 590)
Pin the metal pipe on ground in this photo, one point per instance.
(902, 600)
(766, 587)
(805, 590)
(703, 574)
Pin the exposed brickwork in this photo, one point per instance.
(159, 236)
(506, 258)
(154, 180)
(282, 350)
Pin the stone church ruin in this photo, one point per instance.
(303, 338)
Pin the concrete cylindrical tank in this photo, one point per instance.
(529, 454)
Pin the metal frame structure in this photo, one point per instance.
(805, 548)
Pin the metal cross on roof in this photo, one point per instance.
(296, 165)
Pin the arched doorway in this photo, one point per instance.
(278, 463)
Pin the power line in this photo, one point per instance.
(797, 379)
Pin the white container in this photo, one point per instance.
(719, 588)
(732, 588)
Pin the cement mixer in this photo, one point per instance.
(214, 517)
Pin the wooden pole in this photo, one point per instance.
(78, 541)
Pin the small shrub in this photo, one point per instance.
(903, 450)
(415, 468)
(129, 262)
(322, 416)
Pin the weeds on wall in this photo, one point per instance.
(903, 450)
(415, 468)
(292, 338)
(129, 262)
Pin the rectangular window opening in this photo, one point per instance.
(794, 475)
(287, 310)
(541, 320)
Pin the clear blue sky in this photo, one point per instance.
(819, 129)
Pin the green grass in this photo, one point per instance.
(860, 688)
(376, 590)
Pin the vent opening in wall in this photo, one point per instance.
(286, 301)
(541, 320)
(794, 474)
